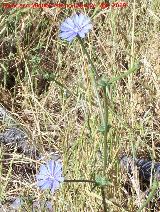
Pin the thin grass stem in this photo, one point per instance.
(93, 75)
(79, 181)
(106, 129)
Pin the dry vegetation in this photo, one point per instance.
(45, 83)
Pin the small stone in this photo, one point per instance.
(13, 135)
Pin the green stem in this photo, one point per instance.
(79, 181)
(89, 59)
(103, 199)
(131, 70)
(64, 87)
(155, 185)
(104, 116)
(93, 74)
(106, 128)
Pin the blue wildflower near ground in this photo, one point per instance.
(50, 175)
(77, 24)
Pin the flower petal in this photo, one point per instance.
(86, 21)
(75, 19)
(65, 29)
(41, 176)
(65, 35)
(43, 169)
(64, 24)
(55, 186)
(46, 185)
(59, 179)
(87, 27)
(58, 168)
(51, 167)
(84, 30)
(70, 38)
(81, 34)
(70, 22)
(81, 19)
(41, 182)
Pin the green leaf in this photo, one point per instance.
(103, 82)
(126, 74)
(101, 181)
(102, 128)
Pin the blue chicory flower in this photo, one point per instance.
(50, 175)
(77, 24)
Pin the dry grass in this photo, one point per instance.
(62, 114)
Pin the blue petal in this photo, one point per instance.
(55, 186)
(52, 167)
(85, 29)
(41, 177)
(88, 26)
(86, 21)
(66, 34)
(75, 19)
(65, 29)
(69, 22)
(81, 18)
(59, 178)
(41, 182)
(46, 185)
(58, 174)
(43, 169)
(70, 38)
(81, 34)
(64, 24)
(58, 167)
